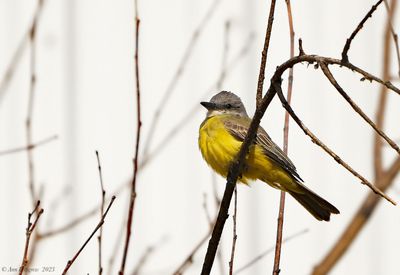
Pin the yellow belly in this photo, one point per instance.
(219, 148)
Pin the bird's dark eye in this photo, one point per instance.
(228, 106)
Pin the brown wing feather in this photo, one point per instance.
(238, 128)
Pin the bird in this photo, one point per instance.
(221, 135)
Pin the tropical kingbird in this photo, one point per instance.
(220, 137)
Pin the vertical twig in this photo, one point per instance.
(99, 225)
(29, 229)
(103, 194)
(279, 229)
(264, 54)
(234, 237)
(135, 160)
(29, 117)
(395, 37)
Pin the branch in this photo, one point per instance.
(314, 139)
(394, 35)
(29, 229)
(264, 54)
(279, 229)
(135, 160)
(29, 117)
(357, 109)
(99, 225)
(103, 193)
(29, 146)
(346, 48)
(234, 237)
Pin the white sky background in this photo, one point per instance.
(85, 94)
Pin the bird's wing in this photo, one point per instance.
(238, 128)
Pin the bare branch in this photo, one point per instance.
(279, 229)
(29, 229)
(234, 237)
(285, 104)
(135, 160)
(103, 194)
(264, 54)
(29, 146)
(99, 225)
(346, 48)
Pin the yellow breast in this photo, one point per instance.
(219, 148)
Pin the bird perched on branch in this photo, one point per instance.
(220, 137)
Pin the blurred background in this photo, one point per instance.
(85, 95)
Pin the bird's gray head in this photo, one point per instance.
(225, 103)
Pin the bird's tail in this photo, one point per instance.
(317, 206)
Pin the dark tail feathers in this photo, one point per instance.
(317, 206)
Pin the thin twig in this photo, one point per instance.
(264, 54)
(356, 108)
(237, 166)
(100, 224)
(135, 160)
(103, 194)
(29, 229)
(279, 230)
(16, 57)
(346, 48)
(29, 146)
(117, 244)
(317, 141)
(395, 37)
(32, 89)
(234, 237)
(268, 251)
(384, 178)
(187, 53)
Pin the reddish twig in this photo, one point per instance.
(103, 194)
(234, 237)
(279, 229)
(346, 48)
(99, 225)
(177, 74)
(29, 229)
(135, 160)
(29, 146)
(264, 54)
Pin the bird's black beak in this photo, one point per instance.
(209, 105)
